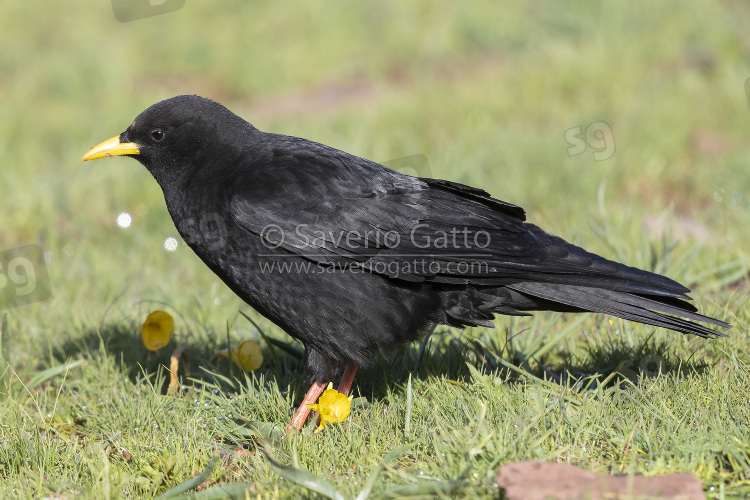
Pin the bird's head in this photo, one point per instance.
(175, 136)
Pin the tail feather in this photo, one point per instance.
(625, 305)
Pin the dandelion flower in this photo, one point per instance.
(247, 355)
(333, 406)
(157, 330)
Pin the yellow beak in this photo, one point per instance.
(111, 147)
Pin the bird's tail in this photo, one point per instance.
(667, 312)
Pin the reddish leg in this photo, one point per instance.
(303, 411)
(347, 378)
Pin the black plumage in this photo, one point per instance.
(353, 258)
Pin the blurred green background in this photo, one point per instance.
(487, 92)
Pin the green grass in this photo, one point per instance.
(486, 93)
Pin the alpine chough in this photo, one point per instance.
(353, 258)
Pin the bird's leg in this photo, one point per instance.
(347, 378)
(303, 411)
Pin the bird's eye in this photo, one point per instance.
(157, 134)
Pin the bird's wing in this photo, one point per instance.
(316, 202)
(333, 208)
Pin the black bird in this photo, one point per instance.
(353, 258)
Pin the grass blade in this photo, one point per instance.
(431, 488)
(236, 490)
(302, 477)
(4, 338)
(4, 356)
(407, 419)
(254, 428)
(49, 373)
(192, 483)
(370, 483)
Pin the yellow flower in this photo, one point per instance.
(156, 330)
(333, 406)
(247, 355)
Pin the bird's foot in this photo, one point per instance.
(303, 411)
(347, 378)
(298, 420)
